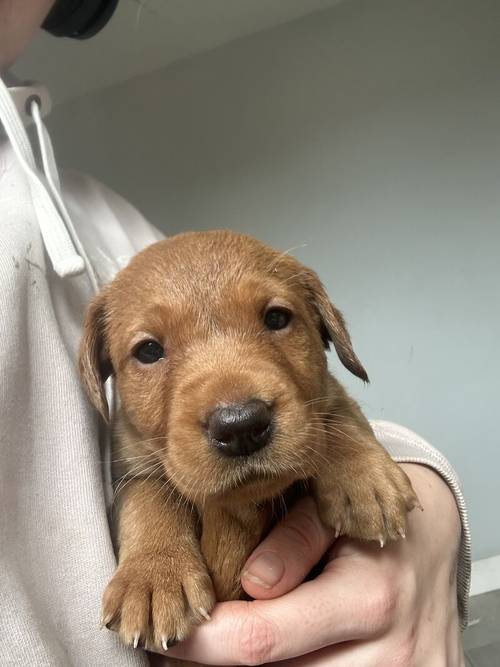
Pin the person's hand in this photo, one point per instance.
(369, 606)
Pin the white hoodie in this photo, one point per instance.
(58, 244)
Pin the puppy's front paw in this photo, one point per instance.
(154, 599)
(368, 503)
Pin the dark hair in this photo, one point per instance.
(79, 19)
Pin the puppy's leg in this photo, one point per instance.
(360, 492)
(229, 536)
(161, 586)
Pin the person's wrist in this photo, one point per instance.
(440, 513)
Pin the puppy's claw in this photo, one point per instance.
(136, 640)
(205, 614)
(338, 528)
(105, 621)
(381, 541)
(164, 644)
(402, 533)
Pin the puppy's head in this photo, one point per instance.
(218, 345)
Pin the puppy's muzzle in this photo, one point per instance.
(240, 429)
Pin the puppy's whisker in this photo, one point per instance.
(137, 443)
(129, 476)
(282, 255)
(294, 463)
(330, 423)
(133, 473)
(340, 427)
(331, 415)
(126, 480)
(337, 432)
(283, 504)
(314, 451)
(325, 423)
(136, 458)
(321, 399)
(168, 480)
(142, 464)
(288, 280)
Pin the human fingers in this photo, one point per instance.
(344, 603)
(283, 560)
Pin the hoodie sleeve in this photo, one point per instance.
(407, 447)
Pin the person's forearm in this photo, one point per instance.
(435, 496)
(439, 502)
(406, 447)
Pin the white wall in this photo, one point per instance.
(371, 133)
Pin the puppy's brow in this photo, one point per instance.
(140, 336)
(278, 259)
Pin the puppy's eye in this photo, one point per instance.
(277, 318)
(149, 352)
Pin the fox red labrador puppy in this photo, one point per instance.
(227, 411)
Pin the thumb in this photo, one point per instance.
(286, 556)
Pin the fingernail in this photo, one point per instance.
(266, 570)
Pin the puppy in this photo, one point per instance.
(217, 344)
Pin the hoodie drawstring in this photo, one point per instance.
(53, 221)
(53, 183)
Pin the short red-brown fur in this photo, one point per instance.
(189, 518)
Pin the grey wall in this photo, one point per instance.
(370, 133)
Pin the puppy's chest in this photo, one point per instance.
(229, 534)
(229, 530)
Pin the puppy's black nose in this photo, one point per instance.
(240, 429)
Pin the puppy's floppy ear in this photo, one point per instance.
(95, 365)
(333, 326)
